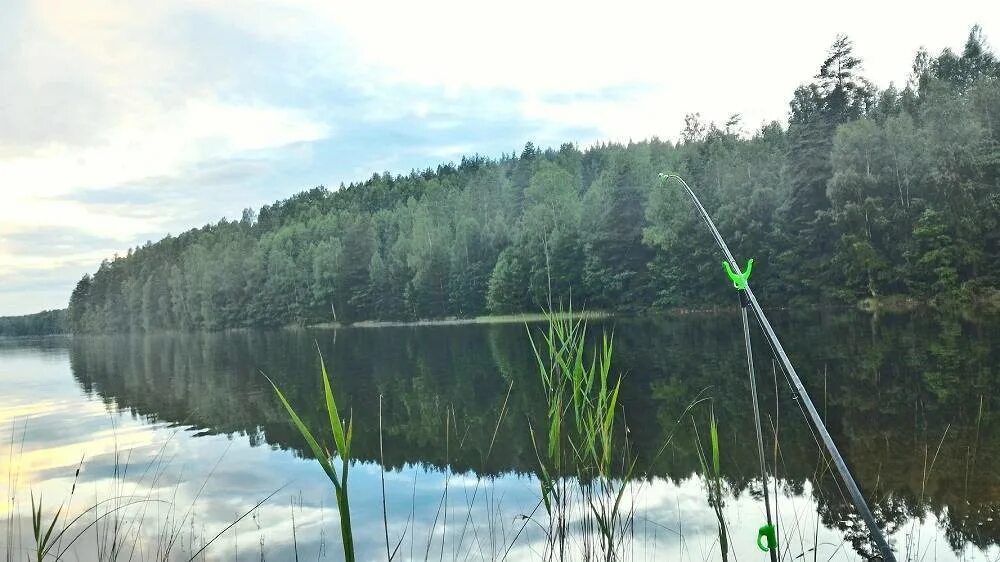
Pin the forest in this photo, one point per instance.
(866, 193)
(38, 324)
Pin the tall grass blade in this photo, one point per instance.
(318, 452)
(342, 442)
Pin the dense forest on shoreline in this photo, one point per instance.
(38, 324)
(865, 193)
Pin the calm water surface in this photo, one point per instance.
(179, 435)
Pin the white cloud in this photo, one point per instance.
(157, 142)
(35, 188)
(717, 58)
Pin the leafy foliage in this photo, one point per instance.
(866, 193)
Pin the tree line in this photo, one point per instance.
(38, 324)
(866, 193)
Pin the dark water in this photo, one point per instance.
(911, 399)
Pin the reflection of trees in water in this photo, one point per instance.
(892, 386)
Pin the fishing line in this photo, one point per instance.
(768, 531)
(828, 466)
(805, 402)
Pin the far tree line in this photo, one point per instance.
(866, 193)
(42, 323)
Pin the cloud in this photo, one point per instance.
(128, 121)
(114, 126)
(157, 143)
(190, 189)
(52, 242)
(28, 286)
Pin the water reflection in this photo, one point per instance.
(909, 399)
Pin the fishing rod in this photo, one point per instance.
(831, 448)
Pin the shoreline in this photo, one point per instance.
(878, 305)
(455, 321)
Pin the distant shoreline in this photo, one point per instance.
(881, 304)
(488, 319)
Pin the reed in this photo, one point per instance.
(712, 471)
(342, 434)
(582, 429)
(115, 522)
(48, 545)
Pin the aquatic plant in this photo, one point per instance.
(342, 436)
(582, 438)
(712, 472)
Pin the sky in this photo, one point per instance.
(122, 122)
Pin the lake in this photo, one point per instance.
(176, 436)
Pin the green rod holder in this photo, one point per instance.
(770, 538)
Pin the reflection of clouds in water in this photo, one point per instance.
(672, 519)
(169, 465)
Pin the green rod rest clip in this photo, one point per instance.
(739, 279)
(767, 532)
